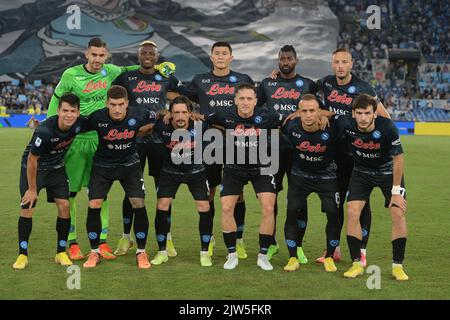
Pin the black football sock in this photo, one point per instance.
(25, 225)
(264, 242)
(205, 228)
(140, 227)
(239, 217)
(398, 250)
(291, 231)
(94, 226)
(62, 230)
(161, 228)
(354, 244)
(230, 241)
(127, 213)
(366, 222)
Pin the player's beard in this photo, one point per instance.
(368, 126)
(286, 71)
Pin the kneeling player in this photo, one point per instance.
(43, 167)
(182, 164)
(313, 170)
(376, 148)
(116, 159)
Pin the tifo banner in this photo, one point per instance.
(41, 38)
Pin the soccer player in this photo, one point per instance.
(214, 91)
(90, 82)
(116, 159)
(376, 148)
(43, 167)
(339, 91)
(313, 170)
(244, 122)
(282, 95)
(191, 171)
(147, 88)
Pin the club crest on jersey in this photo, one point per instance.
(258, 119)
(376, 134)
(158, 77)
(104, 72)
(299, 83)
(38, 141)
(325, 136)
(233, 79)
(132, 122)
(352, 89)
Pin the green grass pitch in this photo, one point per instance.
(427, 175)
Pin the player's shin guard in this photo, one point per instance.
(62, 230)
(230, 241)
(94, 226)
(205, 228)
(161, 228)
(73, 219)
(140, 227)
(264, 242)
(291, 232)
(302, 222)
(104, 215)
(25, 225)
(239, 217)
(127, 214)
(354, 245)
(366, 222)
(398, 250)
(332, 232)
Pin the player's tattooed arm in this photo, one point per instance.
(397, 198)
(30, 195)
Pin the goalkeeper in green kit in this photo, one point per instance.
(90, 82)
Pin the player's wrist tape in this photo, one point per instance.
(398, 190)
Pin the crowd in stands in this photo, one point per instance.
(405, 24)
(25, 97)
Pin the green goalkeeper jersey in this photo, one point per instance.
(90, 87)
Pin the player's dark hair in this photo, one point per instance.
(181, 100)
(363, 101)
(96, 42)
(71, 99)
(343, 50)
(221, 44)
(309, 97)
(288, 48)
(117, 92)
(245, 86)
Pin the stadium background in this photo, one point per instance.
(406, 61)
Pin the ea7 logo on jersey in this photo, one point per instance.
(38, 142)
(206, 80)
(272, 84)
(102, 125)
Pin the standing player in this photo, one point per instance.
(116, 159)
(190, 171)
(90, 82)
(214, 91)
(43, 167)
(339, 91)
(147, 88)
(313, 170)
(282, 95)
(244, 126)
(375, 145)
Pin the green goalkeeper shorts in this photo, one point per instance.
(78, 160)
